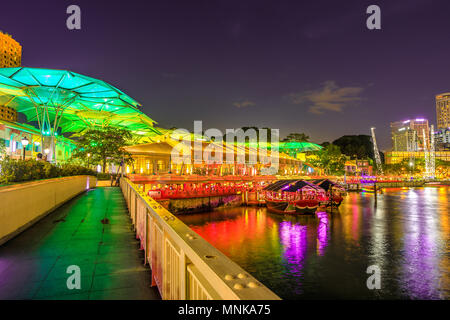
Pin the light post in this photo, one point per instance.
(24, 145)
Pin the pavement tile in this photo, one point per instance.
(59, 271)
(106, 268)
(58, 287)
(33, 265)
(118, 280)
(125, 294)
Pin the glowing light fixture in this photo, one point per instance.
(24, 144)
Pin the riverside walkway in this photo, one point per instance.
(92, 231)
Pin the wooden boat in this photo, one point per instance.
(293, 197)
(335, 192)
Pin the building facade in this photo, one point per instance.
(443, 111)
(393, 157)
(10, 52)
(157, 158)
(442, 139)
(358, 167)
(12, 134)
(410, 135)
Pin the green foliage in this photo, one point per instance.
(296, 137)
(28, 170)
(102, 146)
(356, 146)
(330, 159)
(2, 147)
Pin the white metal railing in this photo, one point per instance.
(184, 265)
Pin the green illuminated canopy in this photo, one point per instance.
(299, 146)
(71, 101)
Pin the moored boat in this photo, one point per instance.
(293, 197)
(335, 192)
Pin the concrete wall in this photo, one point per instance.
(23, 204)
(194, 205)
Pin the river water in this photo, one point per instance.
(405, 234)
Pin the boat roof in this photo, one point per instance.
(277, 185)
(325, 184)
(300, 184)
(291, 185)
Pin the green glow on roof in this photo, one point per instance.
(300, 146)
(85, 102)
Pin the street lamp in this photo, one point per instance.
(411, 166)
(24, 144)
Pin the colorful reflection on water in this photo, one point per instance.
(406, 233)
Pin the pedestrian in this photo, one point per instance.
(118, 180)
(39, 157)
(112, 180)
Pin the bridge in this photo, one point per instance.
(126, 245)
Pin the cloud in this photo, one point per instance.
(330, 97)
(244, 103)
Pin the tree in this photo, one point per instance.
(103, 146)
(296, 137)
(330, 159)
(357, 146)
(442, 169)
(2, 147)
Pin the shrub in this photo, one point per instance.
(105, 176)
(29, 170)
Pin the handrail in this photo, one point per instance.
(184, 265)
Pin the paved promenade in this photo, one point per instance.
(92, 231)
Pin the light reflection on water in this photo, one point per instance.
(326, 256)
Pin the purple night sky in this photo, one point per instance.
(301, 66)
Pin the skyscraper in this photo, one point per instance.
(408, 135)
(10, 51)
(443, 110)
(442, 138)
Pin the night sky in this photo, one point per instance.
(300, 66)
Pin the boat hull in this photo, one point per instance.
(294, 208)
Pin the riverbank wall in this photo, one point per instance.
(200, 204)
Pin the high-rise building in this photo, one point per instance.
(443, 110)
(409, 135)
(442, 139)
(10, 56)
(10, 51)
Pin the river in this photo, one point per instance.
(405, 234)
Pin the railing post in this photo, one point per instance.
(183, 276)
(177, 257)
(135, 211)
